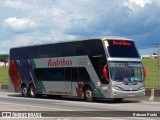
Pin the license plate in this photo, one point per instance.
(130, 94)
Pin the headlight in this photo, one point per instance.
(117, 87)
(141, 88)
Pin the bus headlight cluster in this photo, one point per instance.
(141, 88)
(117, 87)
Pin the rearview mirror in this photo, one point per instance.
(106, 73)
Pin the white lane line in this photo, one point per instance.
(127, 118)
(108, 118)
(143, 118)
(102, 104)
(151, 102)
(37, 106)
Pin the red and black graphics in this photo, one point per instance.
(14, 76)
(79, 89)
(24, 73)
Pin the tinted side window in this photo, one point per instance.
(77, 48)
(40, 74)
(94, 47)
(62, 74)
(83, 74)
(74, 74)
(68, 74)
(80, 50)
(50, 74)
(73, 49)
(68, 49)
(55, 74)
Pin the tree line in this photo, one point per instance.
(4, 57)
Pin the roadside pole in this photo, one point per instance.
(158, 61)
(158, 57)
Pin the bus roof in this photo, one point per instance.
(112, 38)
(82, 39)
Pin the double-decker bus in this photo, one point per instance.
(94, 68)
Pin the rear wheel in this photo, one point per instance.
(88, 95)
(24, 91)
(32, 92)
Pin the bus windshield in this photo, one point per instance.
(126, 72)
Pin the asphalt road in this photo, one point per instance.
(46, 108)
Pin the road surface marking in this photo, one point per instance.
(37, 106)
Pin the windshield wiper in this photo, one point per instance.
(137, 79)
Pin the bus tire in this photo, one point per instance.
(117, 99)
(24, 91)
(88, 95)
(32, 91)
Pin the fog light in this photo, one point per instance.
(141, 88)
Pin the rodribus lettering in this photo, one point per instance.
(59, 62)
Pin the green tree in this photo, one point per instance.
(4, 57)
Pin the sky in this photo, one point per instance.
(28, 22)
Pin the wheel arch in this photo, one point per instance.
(23, 84)
(87, 86)
(31, 85)
(90, 87)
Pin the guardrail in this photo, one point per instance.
(153, 94)
(3, 86)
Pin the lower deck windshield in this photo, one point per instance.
(126, 72)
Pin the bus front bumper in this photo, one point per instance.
(127, 94)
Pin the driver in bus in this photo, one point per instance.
(124, 76)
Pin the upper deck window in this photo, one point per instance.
(121, 48)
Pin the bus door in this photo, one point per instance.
(80, 77)
(68, 81)
(74, 81)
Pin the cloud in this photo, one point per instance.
(16, 4)
(84, 18)
(17, 40)
(92, 18)
(51, 20)
(19, 25)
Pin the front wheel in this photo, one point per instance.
(32, 92)
(88, 95)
